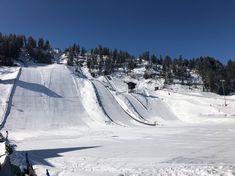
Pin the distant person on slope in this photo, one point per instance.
(48, 174)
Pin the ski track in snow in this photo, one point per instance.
(56, 118)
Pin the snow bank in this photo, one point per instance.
(63, 59)
(199, 107)
(7, 81)
(49, 95)
(90, 102)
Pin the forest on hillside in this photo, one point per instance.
(103, 61)
(12, 46)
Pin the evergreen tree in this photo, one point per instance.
(40, 43)
(47, 45)
(145, 56)
(153, 59)
(31, 43)
(230, 69)
(70, 57)
(83, 51)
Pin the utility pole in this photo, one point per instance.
(222, 81)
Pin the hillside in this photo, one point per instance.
(73, 122)
(97, 127)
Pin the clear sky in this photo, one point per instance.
(175, 27)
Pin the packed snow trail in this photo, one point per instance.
(46, 97)
(111, 107)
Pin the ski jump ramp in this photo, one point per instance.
(48, 97)
(111, 107)
(149, 108)
(45, 97)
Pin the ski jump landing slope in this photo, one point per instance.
(111, 106)
(150, 108)
(138, 107)
(46, 97)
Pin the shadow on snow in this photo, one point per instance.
(32, 87)
(41, 156)
(37, 88)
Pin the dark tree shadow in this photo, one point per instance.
(41, 156)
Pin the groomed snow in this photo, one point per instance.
(7, 79)
(200, 107)
(178, 150)
(56, 118)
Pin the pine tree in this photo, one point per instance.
(230, 69)
(83, 52)
(40, 43)
(31, 43)
(70, 57)
(145, 56)
(153, 59)
(47, 45)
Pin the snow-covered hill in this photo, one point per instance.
(7, 80)
(74, 124)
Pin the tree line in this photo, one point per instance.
(11, 46)
(104, 60)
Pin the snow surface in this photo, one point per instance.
(7, 79)
(179, 150)
(200, 108)
(63, 122)
(50, 100)
(111, 106)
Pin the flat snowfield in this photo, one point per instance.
(55, 118)
(181, 150)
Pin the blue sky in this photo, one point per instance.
(190, 28)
